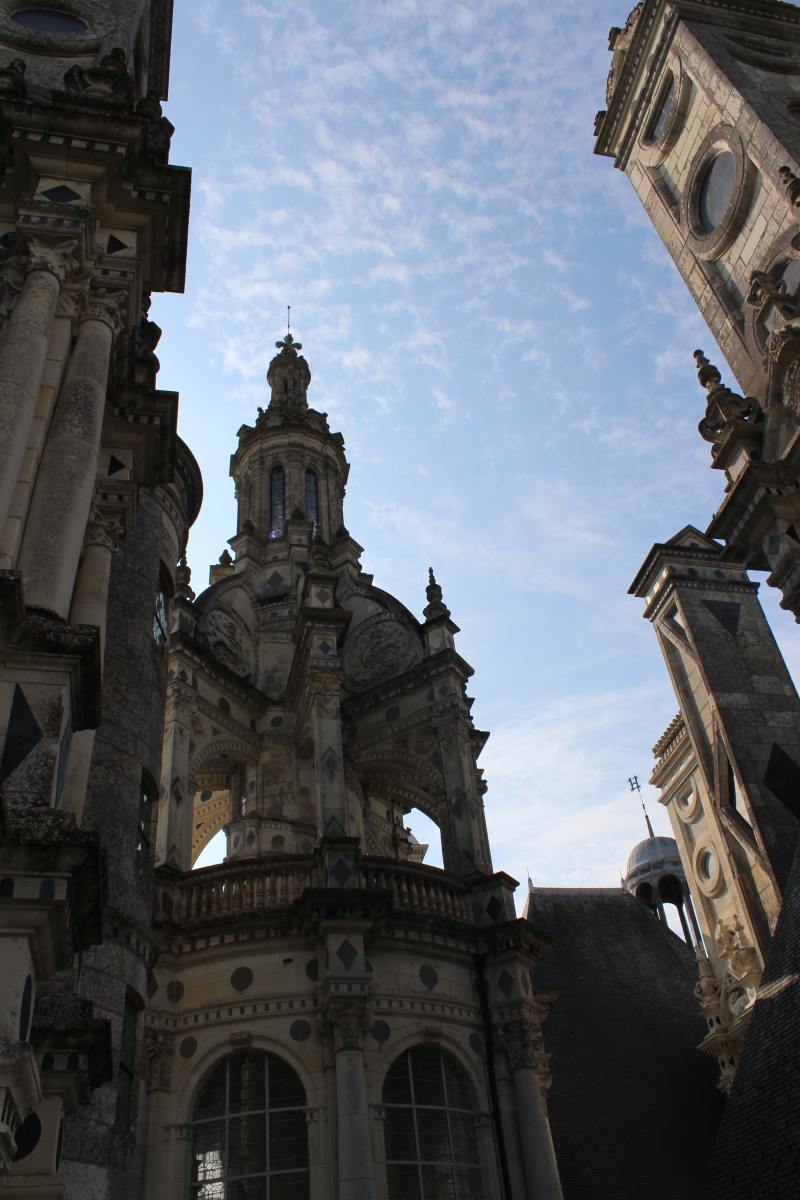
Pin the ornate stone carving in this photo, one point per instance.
(379, 648)
(160, 131)
(229, 641)
(108, 81)
(723, 408)
(12, 79)
(523, 1046)
(146, 337)
(765, 287)
(347, 1021)
(101, 530)
(618, 42)
(791, 186)
(55, 256)
(106, 305)
(158, 1048)
(71, 297)
(289, 377)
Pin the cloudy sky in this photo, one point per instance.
(496, 331)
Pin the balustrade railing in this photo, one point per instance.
(238, 889)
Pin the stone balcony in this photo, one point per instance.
(268, 885)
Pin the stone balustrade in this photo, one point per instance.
(236, 889)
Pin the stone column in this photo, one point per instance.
(538, 1156)
(89, 607)
(468, 849)
(329, 759)
(23, 350)
(356, 1170)
(65, 484)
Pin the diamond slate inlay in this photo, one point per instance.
(494, 908)
(24, 733)
(341, 871)
(275, 580)
(726, 612)
(347, 954)
(325, 647)
(782, 777)
(61, 194)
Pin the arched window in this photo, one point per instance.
(312, 497)
(431, 1151)
(249, 1139)
(277, 502)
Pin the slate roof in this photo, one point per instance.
(757, 1155)
(633, 1105)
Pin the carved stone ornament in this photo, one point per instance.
(12, 79)
(289, 377)
(379, 648)
(102, 531)
(791, 186)
(107, 305)
(160, 131)
(109, 80)
(765, 287)
(55, 256)
(158, 1051)
(72, 295)
(723, 408)
(348, 1021)
(618, 42)
(229, 641)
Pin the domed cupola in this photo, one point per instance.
(655, 876)
(289, 377)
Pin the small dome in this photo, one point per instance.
(652, 853)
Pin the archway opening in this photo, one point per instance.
(214, 852)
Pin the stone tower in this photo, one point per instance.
(96, 497)
(308, 712)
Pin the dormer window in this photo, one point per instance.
(277, 502)
(312, 497)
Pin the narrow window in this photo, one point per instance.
(249, 1136)
(277, 502)
(127, 1061)
(147, 813)
(312, 497)
(430, 1136)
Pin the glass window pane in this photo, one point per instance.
(434, 1135)
(716, 190)
(211, 1098)
(247, 1189)
(403, 1183)
(248, 1090)
(288, 1140)
(47, 20)
(659, 122)
(401, 1140)
(438, 1183)
(209, 1191)
(426, 1069)
(462, 1132)
(277, 501)
(287, 1186)
(397, 1085)
(312, 497)
(468, 1183)
(247, 1146)
(459, 1093)
(285, 1089)
(208, 1152)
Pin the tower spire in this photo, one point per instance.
(289, 377)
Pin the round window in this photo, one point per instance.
(663, 112)
(48, 20)
(716, 190)
(706, 864)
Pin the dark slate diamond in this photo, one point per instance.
(324, 595)
(505, 982)
(27, 1136)
(275, 580)
(24, 733)
(241, 979)
(61, 194)
(174, 991)
(312, 969)
(115, 465)
(347, 954)
(114, 245)
(341, 872)
(782, 777)
(325, 647)
(494, 908)
(726, 613)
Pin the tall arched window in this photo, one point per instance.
(277, 502)
(312, 497)
(431, 1151)
(249, 1139)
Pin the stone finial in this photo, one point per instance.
(435, 606)
(183, 579)
(225, 559)
(723, 407)
(791, 185)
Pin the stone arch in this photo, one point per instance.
(207, 823)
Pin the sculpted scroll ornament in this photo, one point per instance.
(229, 641)
(379, 648)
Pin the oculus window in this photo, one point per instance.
(716, 190)
(249, 1137)
(48, 20)
(431, 1151)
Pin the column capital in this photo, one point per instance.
(522, 1043)
(72, 294)
(101, 530)
(107, 305)
(347, 1020)
(54, 255)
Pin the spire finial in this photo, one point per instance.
(288, 318)
(707, 374)
(634, 784)
(435, 606)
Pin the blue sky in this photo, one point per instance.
(496, 330)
